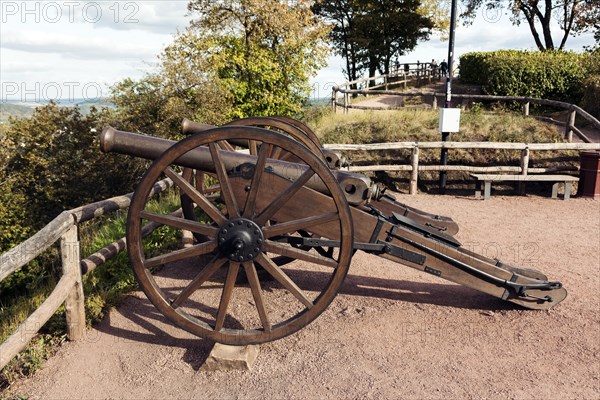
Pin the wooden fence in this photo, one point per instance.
(570, 128)
(69, 289)
(414, 167)
(416, 74)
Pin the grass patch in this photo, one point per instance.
(477, 125)
(104, 287)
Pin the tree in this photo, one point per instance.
(438, 12)
(157, 103)
(390, 28)
(237, 58)
(573, 16)
(261, 52)
(342, 16)
(369, 34)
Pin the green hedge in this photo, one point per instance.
(51, 162)
(591, 95)
(547, 75)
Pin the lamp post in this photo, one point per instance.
(447, 102)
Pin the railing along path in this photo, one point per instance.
(69, 289)
(426, 73)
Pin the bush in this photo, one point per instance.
(52, 162)
(591, 95)
(546, 75)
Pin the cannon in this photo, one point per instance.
(275, 227)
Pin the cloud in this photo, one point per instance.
(75, 47)
(158, 17)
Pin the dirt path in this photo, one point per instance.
(391, 333)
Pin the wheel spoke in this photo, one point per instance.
(285, 280)
(226, 191)
(284, 197)
(252, 147)
(286, 156)
(257, 294)
(298, 224)
(225, 145)
(250, 205)
(198, 198)
(197, 250)
(204, 275)
(180, 223)
(199, 181)
(288, 251)
(232, 274)
(276, 152)
(212, 189)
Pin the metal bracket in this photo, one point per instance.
(518, 289)
(426, 231)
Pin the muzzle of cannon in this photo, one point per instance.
(275, 229)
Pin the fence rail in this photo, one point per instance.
(346, 91)
(415, 147)
(69, 289)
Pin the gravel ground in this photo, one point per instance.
(391, 333)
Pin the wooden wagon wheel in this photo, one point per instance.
(278, 124)
(197, 290)
(303, 127)
(289, 126)
(296, 130)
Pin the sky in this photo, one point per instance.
(69, 50)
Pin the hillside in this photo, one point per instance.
(24, 110)
(14, 110)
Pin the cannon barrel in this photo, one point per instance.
(357, 188)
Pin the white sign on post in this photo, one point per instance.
(449, 119)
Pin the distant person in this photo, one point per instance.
(434, 68)
(406, 68)
(444, 68)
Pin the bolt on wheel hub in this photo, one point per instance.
(240, 240)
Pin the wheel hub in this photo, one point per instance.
(240, 240)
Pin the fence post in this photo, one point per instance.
(526, 109)
(524, 169)
(434, 105)
(346, 102)
(414, 175)
(570, 124)
(74, 306)
(333, 99)
(385, 82)
(404, 77)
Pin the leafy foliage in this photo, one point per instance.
(51, 162)
(262, 52)
(369, 34)
(157, 103)
(104, 288)
(591, 95)
(548, 75)
(237, 58)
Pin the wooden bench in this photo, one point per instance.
(487, 179)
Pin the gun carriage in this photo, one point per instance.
(276, 226)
